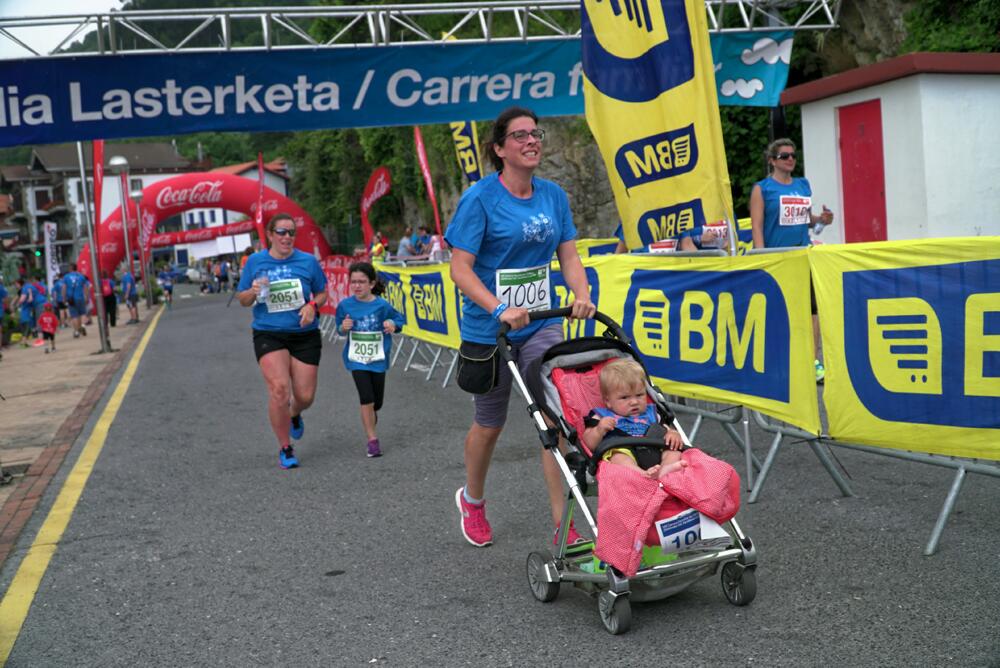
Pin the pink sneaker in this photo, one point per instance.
(572, 537)
(475, 528)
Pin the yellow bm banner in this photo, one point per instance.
(651, 103)
(911, 338)
(734, 330)
(427, 298)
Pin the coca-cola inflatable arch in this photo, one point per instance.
(205, 190)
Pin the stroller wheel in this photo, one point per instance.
(541, 588)
(615, 611)
(739, 583)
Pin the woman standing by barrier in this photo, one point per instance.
(503, 235)
(781, 215)
(286, 287)
(368, 321)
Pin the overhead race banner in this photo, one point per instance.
(911, 340)
(652, 107)
(732, 330)
(48, 100)
(751, 70)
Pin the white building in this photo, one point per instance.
(275, 178)
(908, 148)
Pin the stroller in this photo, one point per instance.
(558, 388)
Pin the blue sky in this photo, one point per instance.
(45, 38)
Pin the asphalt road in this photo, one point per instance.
(190, 546)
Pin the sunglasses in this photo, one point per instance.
(521, 136)
(285, 231)
(784, 156)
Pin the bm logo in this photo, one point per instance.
(636, 50)
(574, 329)
(394, 293)
(463, 133)
(427, 293)
(670, 222)
(922, 344)
(727, 330)
(659, 156)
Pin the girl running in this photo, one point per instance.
(368, 321)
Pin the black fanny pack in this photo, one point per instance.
(478, 367)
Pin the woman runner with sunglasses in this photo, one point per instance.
(286, 287)
(503, 235)
(781, 215)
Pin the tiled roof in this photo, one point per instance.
(278, 167)
(148, 156)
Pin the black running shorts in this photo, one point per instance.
(371, 387)
(303, 346)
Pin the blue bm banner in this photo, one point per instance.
(48, 100)
(911, 331)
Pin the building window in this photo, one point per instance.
(211, 216)
(79, 190)
(42, 197)
(135, 184)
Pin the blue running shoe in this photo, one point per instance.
(287, 458)
(298, 427)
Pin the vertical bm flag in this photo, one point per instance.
(651, 102)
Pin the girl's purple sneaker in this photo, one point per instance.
(373, 449)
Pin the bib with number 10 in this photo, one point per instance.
(524, 288)
(365, 347)
(285, 295)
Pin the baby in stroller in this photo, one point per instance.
(627, 413)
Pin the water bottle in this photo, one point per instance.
(820, 225)
(265, 286)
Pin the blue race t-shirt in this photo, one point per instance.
(3, 293)
(74, 282)
(633, 425)
(787, 210)
(57, 290)
(128, 285)
(293, 280)
(506, 232)
(367, 317)
(39, 294)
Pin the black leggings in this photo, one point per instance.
(371, 387)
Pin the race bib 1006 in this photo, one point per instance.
(795, 210)
(524, 288)
(285, 295)
(365, 347)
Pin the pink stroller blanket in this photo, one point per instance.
(629, 503)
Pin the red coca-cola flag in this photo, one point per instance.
(98, 146)
(425, 168)
(379, 184)
(258, 215)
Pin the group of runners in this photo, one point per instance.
(505, 231)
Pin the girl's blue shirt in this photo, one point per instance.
(368, 317)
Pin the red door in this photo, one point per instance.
(862, 171)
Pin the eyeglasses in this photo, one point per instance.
(285, 231)
(521, 136)
(784, 156)
(364, 282)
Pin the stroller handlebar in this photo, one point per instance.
(565, 312)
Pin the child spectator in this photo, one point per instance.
(48, 322)
(627, 413)
(368, 321)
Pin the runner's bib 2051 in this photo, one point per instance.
(795, 210)
(526, 288)
(365, 347)
(285, 295)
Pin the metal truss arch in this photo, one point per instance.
(358, 26)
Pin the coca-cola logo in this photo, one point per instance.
(269, 205)
(115, 225)
(200, 235)
(379, 188)
(109, 247)
(201, 193)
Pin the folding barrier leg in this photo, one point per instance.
(409, 360)
(694, 428)
(451, 369)
(831, 468)
(430, 372)
(399, 349)
(768, 462)
(746, 447)
(949, 504)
